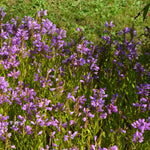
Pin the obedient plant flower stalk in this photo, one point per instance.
(2, 15)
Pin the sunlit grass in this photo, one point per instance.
(90, 15)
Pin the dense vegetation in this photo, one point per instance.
(90, 15)
(72, 93)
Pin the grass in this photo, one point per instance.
(90, 15)
(74, 94)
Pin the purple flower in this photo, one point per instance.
(106, 38)
(4, 128)
(75, 89)
(74, 134)
(47, 147)
(13, 146)
(28, 129)
(92, 147)
(71, 122)
(120, 33)
(64, 125)
(103, 148)
(106, 24)
(82, 61)
(2, 13)
(3, 84)
(148, 73)
(52, 89)
(109, 25)
(55, 145)
(79, 29)
(84, 119)
(41, 13)
(124, 131)
(138, 137)
(104, 115)
(66, 137)
(69, 96)
(14, 74)
(111, 108)
(142, 125)
(127, 30)
(143, 89)
(114, 147)
(91, 115)
(40, 133)
(138, 67)
(148, 119)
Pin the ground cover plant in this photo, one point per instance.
(57, 93)
(90, 15)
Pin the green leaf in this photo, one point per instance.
(146, 8)
(133, 85)
(104, 135)
(1, 110)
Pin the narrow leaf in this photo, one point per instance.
(146, 11)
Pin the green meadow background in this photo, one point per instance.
(90, 15)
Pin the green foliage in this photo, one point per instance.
(90, 15)
(145, 11)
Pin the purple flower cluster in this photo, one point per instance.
(2, 13)
(54, 91)
(97, 101)
(143, 91)
(142, 126)
(3, 84)
(4, 127)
